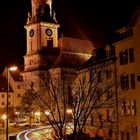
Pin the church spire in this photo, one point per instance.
(49, 2)
(41, 11)
(35, 5)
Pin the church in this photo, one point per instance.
(48, 50)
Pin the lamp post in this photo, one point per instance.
(7, 102)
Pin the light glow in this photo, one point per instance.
(4, 116)
(69, 111)
(47, 113)
(13, 68)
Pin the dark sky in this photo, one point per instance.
(92, 19)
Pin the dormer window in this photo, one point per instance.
(108, 51)
(125, 33)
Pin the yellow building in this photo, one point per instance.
(128, 68)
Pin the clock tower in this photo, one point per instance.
(41, 35)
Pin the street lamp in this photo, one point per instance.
(4, 117)
(7, 102)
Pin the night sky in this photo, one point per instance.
(91, 19)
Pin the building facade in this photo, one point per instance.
(127, 52)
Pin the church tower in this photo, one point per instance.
(41, 35)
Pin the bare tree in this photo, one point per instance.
(92, 94)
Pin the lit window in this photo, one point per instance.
(134, 107)
(124, 107)
(128, 107)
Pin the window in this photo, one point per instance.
(92, 119)
(110, 133)
(2, 103)
(50, 43)
(18, 87)
(124, 107)
(70, 98)
(132, 80)
(18, 95)
(2, 89)
(108, 51)
(127, 135)
(134, 107)
(128, 107)
(123, 57)
(138, 78)
(108, 115)
(2, 96)
(9, 96)
(31, 46)
(109, 94)
(127, 33)
(98, 93)
(91, 75)
(99, 76)
(131, 55)
(9, 103)
(124, 82)
(20, 78)
(122, 135)
(108, 74)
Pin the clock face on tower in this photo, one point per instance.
(31, 33)
(48, 32)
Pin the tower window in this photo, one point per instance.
(31, 46)
(50, 43)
